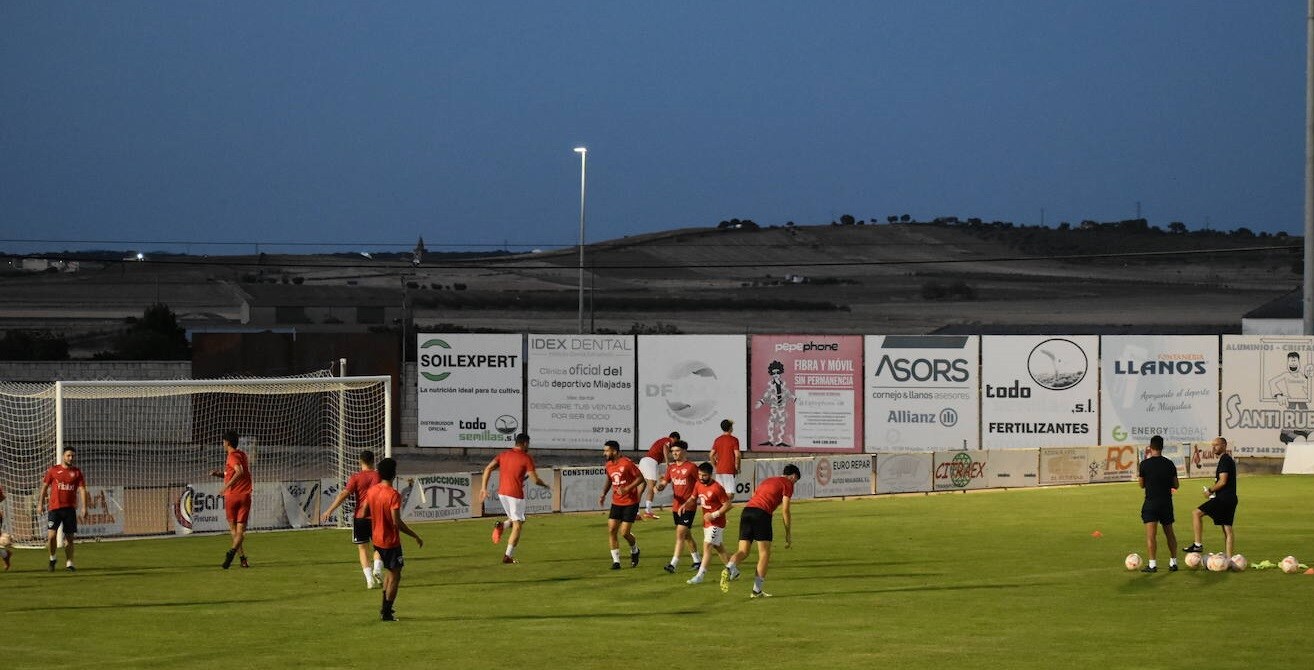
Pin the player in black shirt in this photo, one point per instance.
(1158, 476)
(1221, 503)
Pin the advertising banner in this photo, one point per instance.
(468, 389)
(328, 490)
(689, 383)
(538, 500)
(434, 497)
(960, 470)
(1114, 463)
(200, 509)
(806, 392)
(105, 514)
(1268, 381)
(1202, 461)
(1069, 465)
(301, 503)
(843, 476)
(1013, 468)
(1180, 454)
(1039, 391)
(581, 391)
(1158, 385)
(804, 488)
(904, 473)
(922, 392)
(580, 488)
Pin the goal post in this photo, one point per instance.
(147, 448)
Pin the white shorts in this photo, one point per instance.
(713, 535)
(514, 507)
(648, 466)
(727, 482)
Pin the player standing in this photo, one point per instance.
(383, 506)
(515, 464)
(236, 494)
(361, 530)
(725, 457)
(682, 475)
(1158, 476)
(64, 482)
(4, 545)
(658, 453)
(1221, 503)
(626, 484)
(716, 504)
(755, 526)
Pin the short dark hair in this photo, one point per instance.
(522, 438)
(611, 443)
(68, 449)
(1156, 443)
(792, 469)
(387, 469)
(675, 435)
(681, 444)
(705, 467)
(367, 457)
(231, 437)
(727, 424)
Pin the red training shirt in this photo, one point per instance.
(623, 472)
(515, 466)
(241, 485)
(382, 500)
(682, 477)
(725, 447)
(711, 497)
(64, 483)
(771, 492)
(357, 485)
(657, 451)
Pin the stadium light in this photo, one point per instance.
(583, 181)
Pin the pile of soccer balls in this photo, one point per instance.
(1222, 563)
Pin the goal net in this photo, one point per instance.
(148, 448)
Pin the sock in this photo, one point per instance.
(378, 565)
(702, 570)
(369, 576)
(68, 563)
(1154, 563)
(1173, 561)
(695, 557)
(510, 550)
(52, 557)
(647, 506)
(757, 583)
(675, 561)
(615, 555)
(634, 548)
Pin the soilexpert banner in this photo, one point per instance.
(1268, 381)
(581, 391)
(1158, 385)
(689, 383)
(806, 393)
(1038, 391)
(468, 389)
(922, 392)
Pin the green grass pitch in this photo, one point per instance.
(1004, 579)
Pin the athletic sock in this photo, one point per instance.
(647, 506)
(695, 557)
(510, 550)
(369, 576)
(675, 561)
(757, 583)
(634, 548)
(1173, 561)
(615, 555)
(52, 557)
(378, 565)
(1154, 563)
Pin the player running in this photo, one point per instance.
(516, 465)
(626, 484)
(64, 482)
(716, 504)
(361, 530)
(682, 475)
(755, 526)
(383, 506)
(658, 453)
(237, 496)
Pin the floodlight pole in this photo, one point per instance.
(1307, 287)
(583, 181)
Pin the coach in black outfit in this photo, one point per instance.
(1158, 476)
(1221, 505)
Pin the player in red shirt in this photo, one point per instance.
(383, 507)
(626, 484)
(64, 482)
(658, 453)
(755, 526)
(725, 456)
(716, 504)
(236, 494)
(682, 475)
(356, 487)
(516, 465)
(4, 537)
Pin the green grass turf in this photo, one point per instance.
(1007, 579)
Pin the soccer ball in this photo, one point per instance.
(1239, 563)
(5, 540)
(1193, 560)
(1217, 563)
(1133, 561)
(1290, 565)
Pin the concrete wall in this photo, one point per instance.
(50, 371)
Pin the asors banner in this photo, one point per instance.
(581, 391)
(922, 393)
(806, 393)
(1039, 391)
(1268, 381)
(468, 389)
(1158, 385)
(688, 384)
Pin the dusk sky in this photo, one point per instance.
(132, 124)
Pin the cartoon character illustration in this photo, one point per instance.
(1291, 389)
(776, 396)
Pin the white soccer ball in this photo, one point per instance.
(1133, 561)
(1290, 565)
(1239, 563)
(1217, 563)
(1193, 560)
(6, 540)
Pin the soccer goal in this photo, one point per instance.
(147, 448)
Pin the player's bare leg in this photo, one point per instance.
(1152, 541)
(1229, 540)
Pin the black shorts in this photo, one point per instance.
(361, 530)
(64, 516)
(624, 513)
(1221, 510)
(1157, 511)
(685, 519)
(392, 558)
(755, 525)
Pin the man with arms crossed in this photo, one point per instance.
(356, 487)
(658, 453)
(682, 475)
(725, 457)
(755, 526)
(515, 464)
(626, 484)
(64, 482)
(1221, 503)
(237, 496)
(383, 506)
(1158, 476)
(716, 504)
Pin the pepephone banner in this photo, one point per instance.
(1158, 385)
(581, 391)
(469, 389)
(808, 393)
(1268, 382)
(688, 384)
(922, 392)
(1039, 391)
